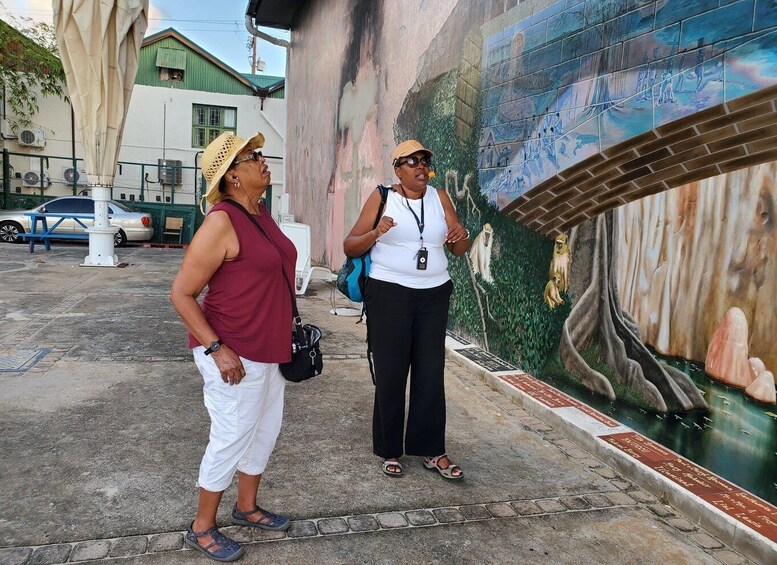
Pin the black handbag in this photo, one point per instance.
(306, 361)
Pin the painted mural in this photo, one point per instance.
(592, 311)
(575, 78)
(630, 311)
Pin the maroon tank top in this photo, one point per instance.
(248, 303)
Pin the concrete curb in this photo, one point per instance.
(172, 542)
(584, 430)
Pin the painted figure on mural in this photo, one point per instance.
(407, 296)
(681, 76)
(551, 294)
(561, 262)
(504, 156)
(699, 68)
(552, 128)
(505, 181)
(480, 253)
(666, 90)
(642, 74)
(651, 77)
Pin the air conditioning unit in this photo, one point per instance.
(170, 171)
(32, 178)
(77, 175)
(32, 138)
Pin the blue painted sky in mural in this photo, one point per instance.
(578, 77)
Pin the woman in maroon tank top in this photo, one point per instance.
(238, 336)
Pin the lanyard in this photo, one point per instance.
(419, 222)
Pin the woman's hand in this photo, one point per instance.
(229, 364)
(456, 233)
(362, 236)
(385, 224)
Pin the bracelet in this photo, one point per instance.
(466, 230)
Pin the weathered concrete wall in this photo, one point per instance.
(350, 68)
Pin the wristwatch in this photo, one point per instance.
(213, 347)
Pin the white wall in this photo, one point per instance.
(151, 130)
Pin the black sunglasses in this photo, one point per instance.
(253, 156)
(426, 161)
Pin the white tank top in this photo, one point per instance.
(394, 255)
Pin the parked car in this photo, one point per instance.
(133, 226)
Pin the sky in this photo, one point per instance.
(216, 26)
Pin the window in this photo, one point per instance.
(209, 122)
(86, 206)
(171, 63)
(62, 206)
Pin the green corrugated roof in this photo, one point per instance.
(263, 81)
(171, 58)
(204, 72)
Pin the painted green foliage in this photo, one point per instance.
(520, 328)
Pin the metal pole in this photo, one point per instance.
(6, 178)
(73, 148)
(101, 253)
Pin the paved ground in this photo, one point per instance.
(100, 442)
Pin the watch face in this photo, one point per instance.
(215, 346)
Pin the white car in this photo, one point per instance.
(133, 226)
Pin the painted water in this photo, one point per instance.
(737, 439)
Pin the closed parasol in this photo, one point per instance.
(99, 42)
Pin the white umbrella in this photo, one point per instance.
(99, 42)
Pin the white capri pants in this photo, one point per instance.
(245, 420)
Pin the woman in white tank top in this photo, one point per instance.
(407, 296)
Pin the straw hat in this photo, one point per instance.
(218, 157)
(408, 148)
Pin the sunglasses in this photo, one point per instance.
(253, 156)
(426, 161)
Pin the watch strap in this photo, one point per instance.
(213, 347)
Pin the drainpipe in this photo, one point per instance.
(202, 178)
(73, 147)
(253, 30)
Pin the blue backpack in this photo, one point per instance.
(353, 274)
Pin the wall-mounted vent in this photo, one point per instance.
(32, 138)
(32, 178)
(72, 175)
(170, 171)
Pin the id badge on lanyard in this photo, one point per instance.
(422, 256)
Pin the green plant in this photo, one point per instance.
(29, 67)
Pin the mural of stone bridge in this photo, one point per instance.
(591, 104)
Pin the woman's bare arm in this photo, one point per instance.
(456, 239)
(213, 243)
(362, 237)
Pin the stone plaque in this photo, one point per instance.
(486, 360)
(553, 398)
(748, 509)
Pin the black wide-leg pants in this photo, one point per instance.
(406, 329)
